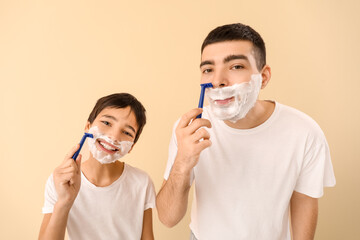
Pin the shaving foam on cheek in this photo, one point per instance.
(104, 157)
(245, 96)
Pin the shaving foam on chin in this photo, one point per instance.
(245, 96)
(104, 157)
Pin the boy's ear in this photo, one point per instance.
(87, 126)
(266, 75)
(131, 148)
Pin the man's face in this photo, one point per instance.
(227, 63)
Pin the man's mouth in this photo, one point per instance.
(107, 147)
(223, 102)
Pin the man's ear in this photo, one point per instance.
(266, 75)
(87, 126)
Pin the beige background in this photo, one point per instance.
(58, 57)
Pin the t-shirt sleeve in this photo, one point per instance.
(316, 172)
(172, 152)
(50, 196)
(150, 195)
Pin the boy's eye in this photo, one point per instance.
(129, 134)
(106, 123)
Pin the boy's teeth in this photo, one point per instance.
(107, 146)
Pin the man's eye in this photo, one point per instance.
(106, 123)
(207, 70)
(238, 67)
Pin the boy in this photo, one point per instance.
(256, 159)
(115, 199)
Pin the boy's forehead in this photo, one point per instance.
(117, 112)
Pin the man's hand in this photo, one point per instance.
(67, 178)
(191, 139)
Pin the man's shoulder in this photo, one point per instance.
(290, 116)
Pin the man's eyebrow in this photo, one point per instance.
(206, 63)
(234, 57)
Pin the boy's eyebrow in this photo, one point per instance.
(207, 62)
(234, 57)
(111, 117)
(133, 129)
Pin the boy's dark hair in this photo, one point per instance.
(121, 100)
(239, 31)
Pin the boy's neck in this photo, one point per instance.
(102, 175)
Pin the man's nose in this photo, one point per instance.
(220, 79)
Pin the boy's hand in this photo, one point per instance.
(189, 132)
(67, 178)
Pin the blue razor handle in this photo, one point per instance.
(202, 93)
(81, 144)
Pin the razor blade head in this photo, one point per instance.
(206, 85)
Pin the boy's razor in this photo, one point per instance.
(202, 93)
(81, 144)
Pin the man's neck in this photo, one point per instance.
(255, 117)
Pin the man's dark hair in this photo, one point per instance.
(121, 100)
(238, 31)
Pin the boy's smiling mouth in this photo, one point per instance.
(106, 147)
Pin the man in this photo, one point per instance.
(254, 162)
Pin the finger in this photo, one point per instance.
(68, 163)
(72, 151)
(78, 163)
(71, 182)
(187, 117)
(202, 133)
(65, 178)
(198, 123)
(204, 144)
(67, 170)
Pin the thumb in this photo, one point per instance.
(78, 162)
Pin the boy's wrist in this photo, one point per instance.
(63, 205)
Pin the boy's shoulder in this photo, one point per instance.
(137, 174)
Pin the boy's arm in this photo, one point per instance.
(304, 212)
(67, 180)
(172, 199)
(147, 231)
(54, 224)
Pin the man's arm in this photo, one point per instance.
(304, 212)
(172, 199)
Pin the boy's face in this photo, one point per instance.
(227, 63)
(119, 124)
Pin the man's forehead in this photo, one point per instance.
(221, 50)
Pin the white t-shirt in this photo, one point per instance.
(112, 212)
(244, 181)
